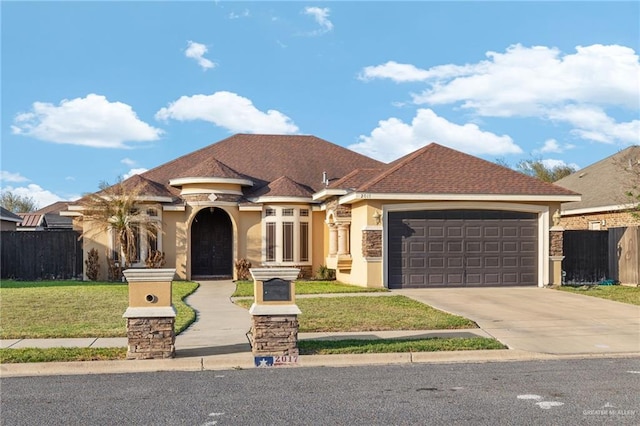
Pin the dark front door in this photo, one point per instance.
(211, 243)
(459, 248)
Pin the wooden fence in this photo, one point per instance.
(39, 255)
(624, 256)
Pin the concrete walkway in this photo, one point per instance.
(542, 320)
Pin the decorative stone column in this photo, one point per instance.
(556, 250)
(343, 239)
(274, 317)
(150, 315)
(333, 239)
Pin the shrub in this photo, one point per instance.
(93, 265)
(242, 269)
(325, 273)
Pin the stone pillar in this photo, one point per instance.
(333, 239)
(343, 239)
(274, 317)
(150, 315)
(556, 254)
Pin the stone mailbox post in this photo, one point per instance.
(274, 316)
(150, 315)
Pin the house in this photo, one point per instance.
(8, 220)
(435, 217)
(46, 219)
(603, 186)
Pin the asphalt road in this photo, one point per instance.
(568, 392)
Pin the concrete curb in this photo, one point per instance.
(245, 360)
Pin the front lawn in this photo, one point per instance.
(371, 313)
(245, 288)
(50, 309)
(353, 346)
(618, 293)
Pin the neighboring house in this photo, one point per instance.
(435, 217)
(8, 220)
(46, 219)
(603, 186)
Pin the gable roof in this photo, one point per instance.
(56, 207)
(284, 186)
(603, 184)
(8, 215)
(436, 169)
(265, 158)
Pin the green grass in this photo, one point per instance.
(53, 309)
(353, 346)
(245, 288)
(370, 313)
(22, 355)
(618, 293)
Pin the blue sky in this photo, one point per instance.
(96, 90)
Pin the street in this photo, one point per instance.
(565, 392)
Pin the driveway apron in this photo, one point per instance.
(220, 326)
(540, 319)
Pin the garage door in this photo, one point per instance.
(459, 248)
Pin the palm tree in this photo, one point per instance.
(116, 208)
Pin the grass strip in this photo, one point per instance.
(370, 313)
(435, 344)
(245, 288)
(24, 355)
(59, 309)
(617, 293)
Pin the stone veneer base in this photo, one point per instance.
(151, 338)
(275, 335)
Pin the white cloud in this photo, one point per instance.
(132, 172)
(41, 196)
(196, 51)
(537, 81)
(393, 138)
(128, 162)
(6, 176)
(402, 73)
(551, 145)
(553, 163)
(91, 121)
(591, 122)
(321, 16)
(229, 110)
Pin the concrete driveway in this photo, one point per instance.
(542, 320)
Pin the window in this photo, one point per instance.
(271, 242)
(286, 235)
(287, 241)
(304, 241)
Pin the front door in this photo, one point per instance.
(211, 244)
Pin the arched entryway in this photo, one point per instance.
(211, 244)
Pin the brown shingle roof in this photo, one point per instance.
(56, 207)
(283, 187)
(435, 169)
(604, 183)
(145, 186)
(356, 178)
(210, 167)
(265, 158)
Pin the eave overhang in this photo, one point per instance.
(328, 193)
(178, 182)
(355, 197)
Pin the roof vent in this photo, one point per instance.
(325, 179)
(581, 175)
